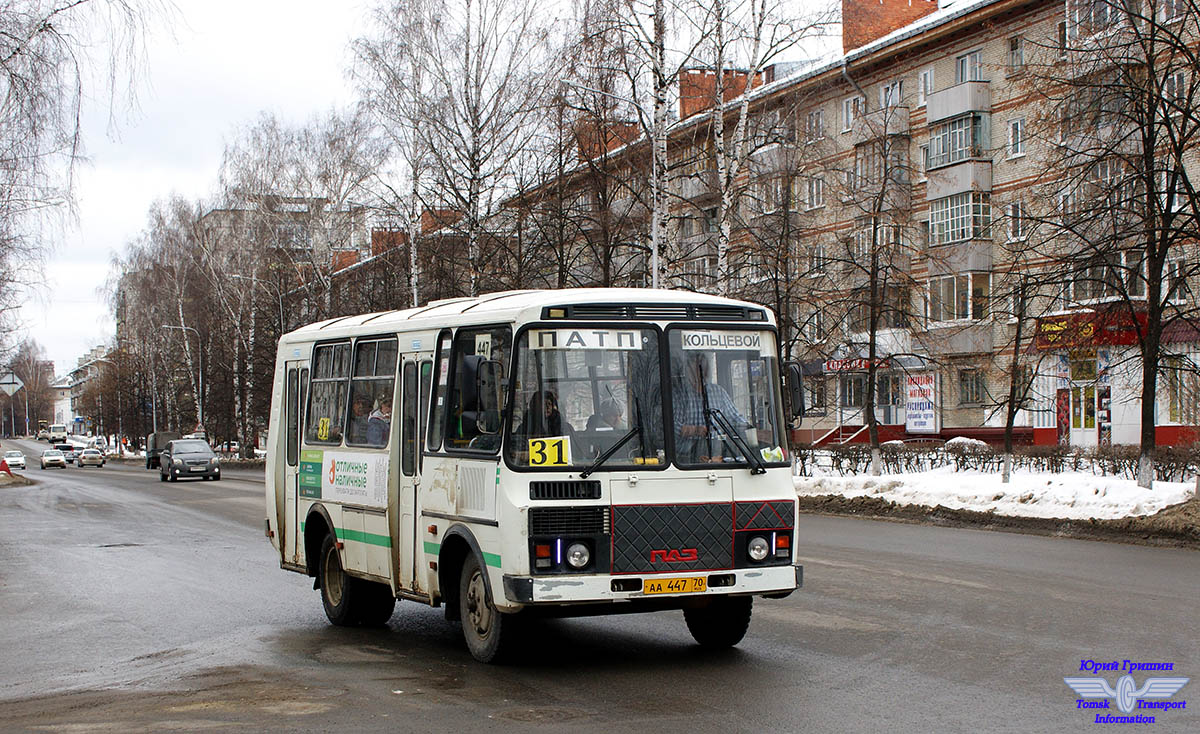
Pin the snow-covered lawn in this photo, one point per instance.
(1073, 495)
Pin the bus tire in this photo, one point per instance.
(340, 592)
(489, 633)
(721, 623)
(377, 602)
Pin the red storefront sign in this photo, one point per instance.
(1091, 329)
(854, 364)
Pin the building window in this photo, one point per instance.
(970, 387)
(1170, 10)
(1170, 191)
(1177, 281)
(816, 192)
(687, 226)
(956, 140)
(1016, 137)
(852, 389)
(1062, 39)
(813, 328)
(891, 94)
(710, 221)
(960, 217)
(969, 67)
(923, 159)
(1175, 92)
(1117, 274)
(959, 297)
(767, 192)
(1016, 55)
(814, 389)
(1018, 222)
(924, 86)
(814, 128)
(852, 108)
(817, 260)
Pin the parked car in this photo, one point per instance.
(154, 446)
(90, 457)
(15, 459)
(188, 457)
(54, 457)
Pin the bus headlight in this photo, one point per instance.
(758, 548)
(578, 555)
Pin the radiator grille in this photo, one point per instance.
(568, 521)
(565, 490)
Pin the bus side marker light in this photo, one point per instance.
(432, 529)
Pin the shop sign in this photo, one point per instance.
(921, 403)
(854, 364)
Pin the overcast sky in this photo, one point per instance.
(228, 61)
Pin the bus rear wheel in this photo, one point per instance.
(720, 623)
(377, 602)
(489, 633)
(339, 590)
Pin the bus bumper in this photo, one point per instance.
(773, 582)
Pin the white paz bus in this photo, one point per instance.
(536, 453)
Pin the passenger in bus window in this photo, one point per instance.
(359, 418)
(543, 418)
(380, 422)
(607, 418)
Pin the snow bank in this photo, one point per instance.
(1073, 495)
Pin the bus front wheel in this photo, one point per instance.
(720, 623)
(488, 631)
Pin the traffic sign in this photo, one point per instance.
(10, 383)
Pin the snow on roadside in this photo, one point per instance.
(1073, 495)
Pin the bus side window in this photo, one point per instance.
(437, 406)
(474, 422)
(408, 424)
(327, 394)
(423, 402)
(292, 422)
(370, 420)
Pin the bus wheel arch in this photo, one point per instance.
(457, 544)
(316, 526)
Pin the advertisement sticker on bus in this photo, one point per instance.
(725, 340)
(584, 339)
(340, 476)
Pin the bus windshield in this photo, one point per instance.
(582, 393)
(725, 403)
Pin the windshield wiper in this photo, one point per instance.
(636, 430)
(732, 436)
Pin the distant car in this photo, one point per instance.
(15, 459)
(43, 435)
(188, 457)
(70, 452)
(54, 457)
(90, 457)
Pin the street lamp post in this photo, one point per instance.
(200, 364)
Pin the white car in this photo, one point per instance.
(15, 459)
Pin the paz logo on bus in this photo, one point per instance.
(671, 555)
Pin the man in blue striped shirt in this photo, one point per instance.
(692, 398)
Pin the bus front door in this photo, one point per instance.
(295, 397)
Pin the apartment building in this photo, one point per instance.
(917, 212)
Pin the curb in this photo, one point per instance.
(1174, 526)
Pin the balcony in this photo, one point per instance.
(966, 337)
(974, 255)
(879, 124)
(700, 184)
(958, 100)
(963, 177)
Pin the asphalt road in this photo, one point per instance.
(132, 605)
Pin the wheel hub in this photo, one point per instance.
(478, 614)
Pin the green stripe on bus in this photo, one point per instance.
(489, 559)
(360, 537)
